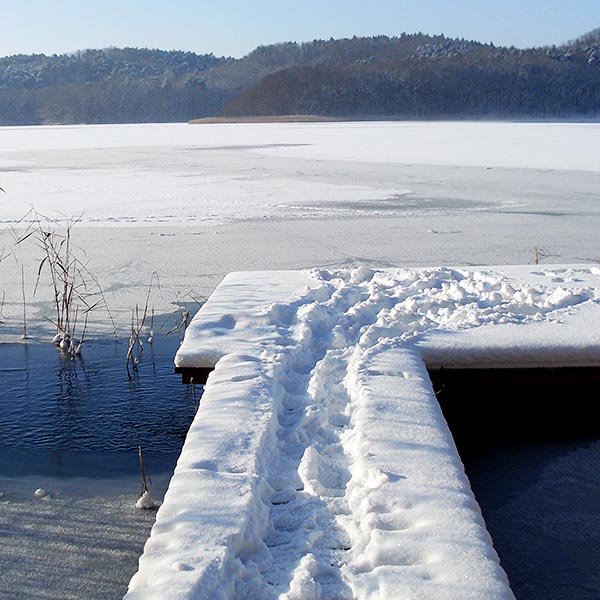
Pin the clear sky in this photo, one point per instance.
(235, 27)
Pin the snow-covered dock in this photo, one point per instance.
(319, 464)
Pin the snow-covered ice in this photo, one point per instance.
(319, 464)
(292, 196)
(79, 540)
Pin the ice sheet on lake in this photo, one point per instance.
(178, 174)
(290, 196)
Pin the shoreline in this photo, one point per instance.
(273, 119)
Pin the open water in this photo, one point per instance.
(72, 427)
(541, 505)
(530, 443)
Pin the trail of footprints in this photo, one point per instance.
(309, 469)
(307, 542)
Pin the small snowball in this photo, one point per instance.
(361, 274)
(308, 468)
(40, 493)
(146, 502)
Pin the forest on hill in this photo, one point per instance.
(410, 76)
(113, 85)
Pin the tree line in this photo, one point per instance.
(102, 86)
(412, 75)
(515, 86)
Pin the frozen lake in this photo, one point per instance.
(192, 203)
(195, 202)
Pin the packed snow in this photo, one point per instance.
(319, 464)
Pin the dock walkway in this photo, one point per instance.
(319, 464)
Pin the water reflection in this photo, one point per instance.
(72, 427)
(88, 404)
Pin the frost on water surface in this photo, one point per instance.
(356, 490)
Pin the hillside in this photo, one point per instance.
(413, 75)
(110, 85)
(440, 78)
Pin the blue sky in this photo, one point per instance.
(235, 27)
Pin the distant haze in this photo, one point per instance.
(235, 27)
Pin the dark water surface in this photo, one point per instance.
(68, 417)
(72, 428)
(530, 443)
(541, 504)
